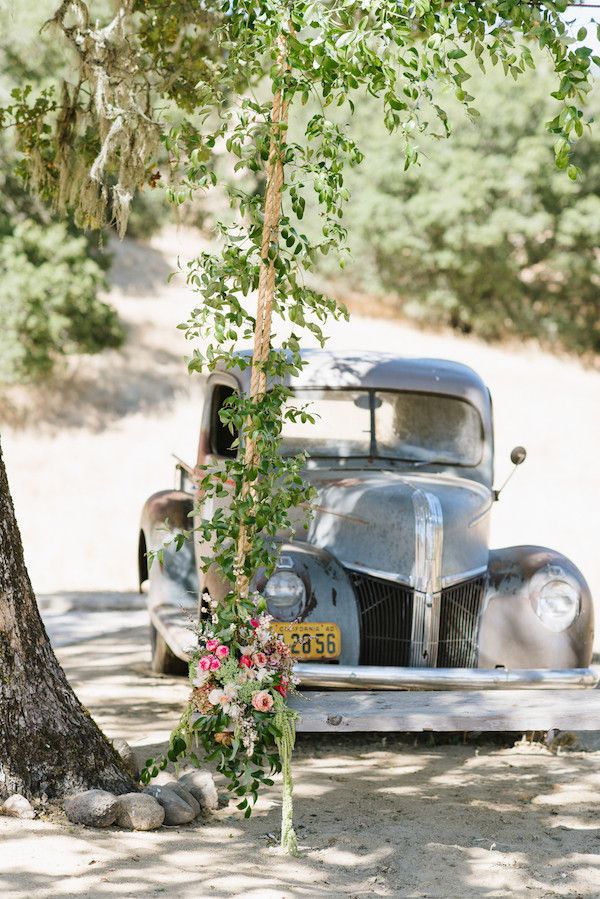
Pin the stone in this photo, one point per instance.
(128, 756)
(177, 811)
(94, 808)
(139, 811)
(202, 787)
(577, 741)
(164, 779)
(17, 806)
(178, 788)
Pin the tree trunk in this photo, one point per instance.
(48, 741)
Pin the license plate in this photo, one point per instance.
(310, 641)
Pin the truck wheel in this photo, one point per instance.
(163, 660)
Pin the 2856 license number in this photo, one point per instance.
(310, 640)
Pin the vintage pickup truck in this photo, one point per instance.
(394, 584)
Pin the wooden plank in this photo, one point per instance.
(448, 710)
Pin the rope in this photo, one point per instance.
(284, 717)
(266, 291)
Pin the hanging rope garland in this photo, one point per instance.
(266, 291)
(285, 718)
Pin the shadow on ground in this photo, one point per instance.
(375, 815)
(97, 391)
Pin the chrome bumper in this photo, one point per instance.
(373, 677)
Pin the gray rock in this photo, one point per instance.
(139, 811)
(577, 741)
(128, 756)
(94, 808)
(177, 810)
(178, 788)
(202, 787)
(164, 779)
(17, 806)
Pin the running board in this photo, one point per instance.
(350, 711)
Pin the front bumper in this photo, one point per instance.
(373, 677)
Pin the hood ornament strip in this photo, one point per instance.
(429, 542)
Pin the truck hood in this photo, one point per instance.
(402, 526)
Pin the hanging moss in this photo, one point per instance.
(100, 184)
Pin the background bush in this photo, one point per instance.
(50, 275)
(487, 236)
(49, 304)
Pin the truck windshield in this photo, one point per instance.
(386, 424)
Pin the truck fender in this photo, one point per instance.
(510, 632)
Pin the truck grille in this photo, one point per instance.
(386, 611)
(386, 618)
(459, 616)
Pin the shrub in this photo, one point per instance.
(487, 237)
(49, 305)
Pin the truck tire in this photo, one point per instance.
(163, 660)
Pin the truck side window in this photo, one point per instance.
(221, 436)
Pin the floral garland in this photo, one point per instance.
(241, 674)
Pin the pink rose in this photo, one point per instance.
(222, 651)
(211, 645)
(262, 701)
(245, 662)
(259, 659)
(254, 622)
(204, 663)
(214, 663)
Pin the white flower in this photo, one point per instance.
(223, 697)
(230, 691)
(215, 696)
(235, 710)
(201, 678)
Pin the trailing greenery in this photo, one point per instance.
(486, 236)
(407, 56)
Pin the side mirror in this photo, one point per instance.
(518, 455)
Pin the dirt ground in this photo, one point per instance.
(376, 815)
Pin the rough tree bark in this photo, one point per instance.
(48, 741)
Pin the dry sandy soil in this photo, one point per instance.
(376, 817)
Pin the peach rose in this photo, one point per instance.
(262, 701)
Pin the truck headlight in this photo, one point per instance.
(557, 602)
(285, 594)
